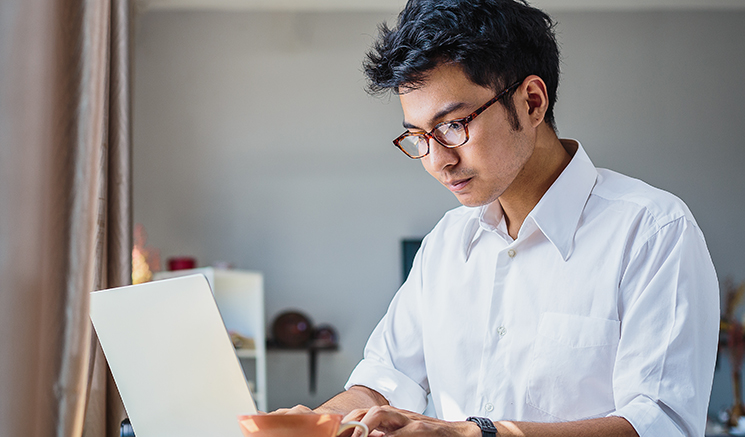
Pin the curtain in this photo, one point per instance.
(65, 209)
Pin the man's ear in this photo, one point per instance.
(537, 99)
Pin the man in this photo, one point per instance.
(561, 299)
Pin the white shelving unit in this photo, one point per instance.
(240, 298)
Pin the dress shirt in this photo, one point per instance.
(606, 304)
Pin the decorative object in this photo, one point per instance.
(181, 263)
(223, 265)
(292, 329)
(145, 260)
(325, 336)
(242, 342)
(409, 248)
(733, 331)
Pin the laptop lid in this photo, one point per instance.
(171, 358)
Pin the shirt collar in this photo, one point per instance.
(558, 212)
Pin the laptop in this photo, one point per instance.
(171, 358)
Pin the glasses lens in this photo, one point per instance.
(414, 145)
(451, 133)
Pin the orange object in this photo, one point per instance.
(293, 425)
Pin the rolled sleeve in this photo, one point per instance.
(665, 362)
(396, 387)
(649, 419)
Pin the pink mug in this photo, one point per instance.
(294, 425)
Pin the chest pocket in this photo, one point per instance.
(571, 374)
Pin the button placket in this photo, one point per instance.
(492, 355)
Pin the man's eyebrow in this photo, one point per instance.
(439, 115)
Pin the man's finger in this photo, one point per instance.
(385, 419)
(297, 409)
(355, 415)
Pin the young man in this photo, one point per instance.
(561, 299)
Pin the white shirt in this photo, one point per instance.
(607, 303)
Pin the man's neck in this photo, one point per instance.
(545, 165)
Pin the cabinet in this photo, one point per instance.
(240, 298)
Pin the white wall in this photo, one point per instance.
(256, 144)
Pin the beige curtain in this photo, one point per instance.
(65, 209)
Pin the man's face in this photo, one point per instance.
(482, 169)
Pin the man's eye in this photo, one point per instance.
(450, 127)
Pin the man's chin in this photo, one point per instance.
(469, 201)
(473, 201)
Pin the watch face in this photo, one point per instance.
(484, 423)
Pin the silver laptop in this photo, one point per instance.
(172, 358)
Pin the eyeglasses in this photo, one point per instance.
(451, 134)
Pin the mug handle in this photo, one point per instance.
(348, 425)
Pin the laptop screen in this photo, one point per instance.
(171, 358)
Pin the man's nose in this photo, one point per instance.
(440, 156)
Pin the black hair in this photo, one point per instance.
(496, 42)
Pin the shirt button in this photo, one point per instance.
(511, 253)
(489, 407)
(501, 331)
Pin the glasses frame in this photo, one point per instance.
(464, 121)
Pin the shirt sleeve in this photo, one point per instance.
(393, 363)
(669, 332)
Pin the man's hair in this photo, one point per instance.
(496, 42)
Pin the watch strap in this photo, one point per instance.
(487, 426)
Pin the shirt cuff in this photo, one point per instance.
(648, 418)
(400, 391)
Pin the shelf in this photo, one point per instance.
(240, 298)
(312, 350)
(309, 348)
(246, 353)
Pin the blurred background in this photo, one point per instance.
(256, 145)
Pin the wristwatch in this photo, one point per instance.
(486, 425)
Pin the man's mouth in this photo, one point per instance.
(458, 184)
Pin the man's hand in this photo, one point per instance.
(392, 422)
(297, 409)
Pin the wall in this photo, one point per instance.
(256, 144)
